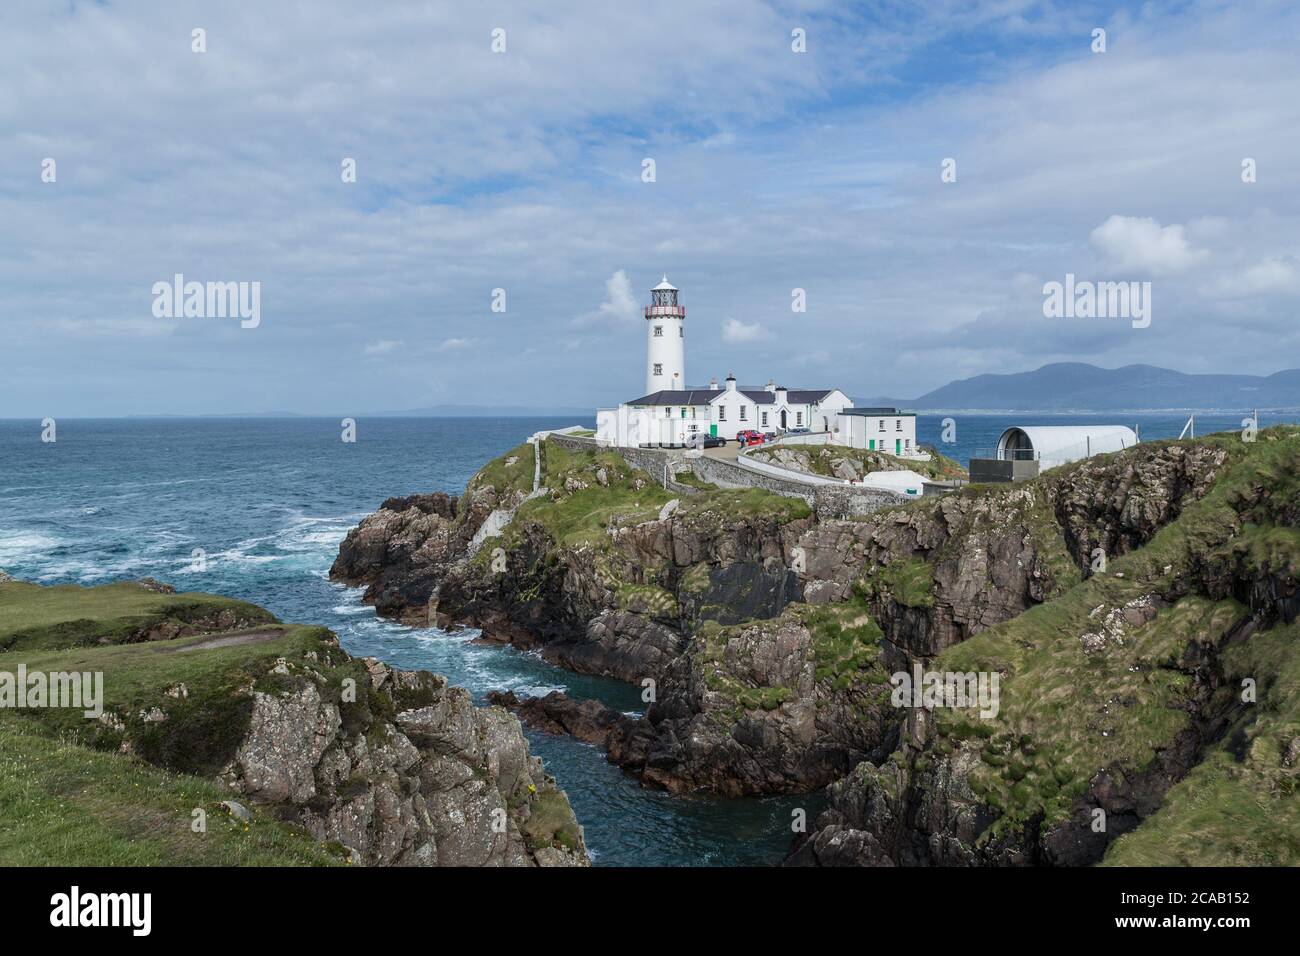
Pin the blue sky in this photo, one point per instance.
(522, 170)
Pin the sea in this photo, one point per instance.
(266, 502)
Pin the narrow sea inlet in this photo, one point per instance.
(265, 503)
(256, 508)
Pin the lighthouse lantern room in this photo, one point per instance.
(665, 340)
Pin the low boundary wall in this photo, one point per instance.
(827, 497)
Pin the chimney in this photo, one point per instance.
(713, 384)
(781, 395)
(731, 382)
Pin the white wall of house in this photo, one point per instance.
(728, 412)
(733, 411)
(824, 416)
(894, 434)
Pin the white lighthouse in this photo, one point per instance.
(665, 352)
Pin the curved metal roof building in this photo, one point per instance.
(1052, 445)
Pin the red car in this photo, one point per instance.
(749, 437)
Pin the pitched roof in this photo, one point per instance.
(702, 396)
(669, 396)
(806, 396)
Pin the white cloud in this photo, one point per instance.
(1274, 276)
(775, 171)
(382, 346)
(737, 332)
(619, 306)
(1142, 244)
(453, 345)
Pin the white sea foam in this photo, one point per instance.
(352, 609)
(23, 545)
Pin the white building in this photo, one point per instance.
(904, 482)
(671, 413)
(1025, 450)
(1052, 445)
(665, 348)
(879, 429)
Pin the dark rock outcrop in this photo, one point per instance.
(1064, 773)
(753, 694)
(440, 782)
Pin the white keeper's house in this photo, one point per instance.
(672, 413)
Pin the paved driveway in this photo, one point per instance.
(727, 452)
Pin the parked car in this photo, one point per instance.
(769, 436)
(749, 437)
(708, 441)
(796, 431)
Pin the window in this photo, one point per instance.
(668, 411)
(659, 331)
(907, 444)
(798, 418)
(764, 419)
(659, 370)
(722, 413)
(882, 421)
(898, 424)
(742, 412)
(681, 332)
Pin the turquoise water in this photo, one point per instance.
(269, 500)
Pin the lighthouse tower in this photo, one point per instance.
(665, 352)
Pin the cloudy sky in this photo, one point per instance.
(522, 170)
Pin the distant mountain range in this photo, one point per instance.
(485, 411)
(433, 411)
(1077, 386)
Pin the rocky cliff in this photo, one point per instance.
(604, 571)
(390, 767)
(1149, 714)
(771, 637)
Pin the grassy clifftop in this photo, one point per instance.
(1162, 690)
(68, 796)
(204, 700)
(837, 461)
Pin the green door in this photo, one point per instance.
(898, 446)
(713, 430)
(871, 445)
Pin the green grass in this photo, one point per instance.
(580, 510)
(747, 503)
(909, 582)
(68, 615)
(66, 805)
(1230, 811)
(550, 822)
(505, 478)
(817, 460)
(69, 796)
(1066, 713)
(582, 517)
(690, 479)
(845, 642)
(647, 599)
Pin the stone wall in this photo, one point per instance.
(828, 501)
